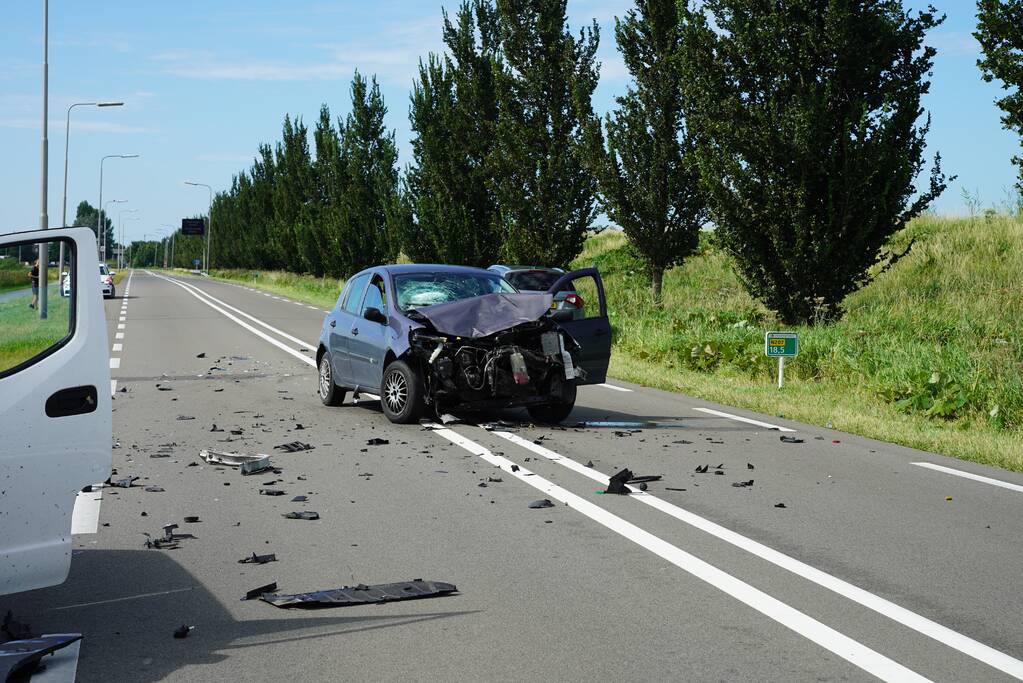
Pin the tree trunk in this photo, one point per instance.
(656, 279)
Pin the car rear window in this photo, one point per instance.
(415, 290)
(532, 280)
(102, 270)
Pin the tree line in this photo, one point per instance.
(794, 129)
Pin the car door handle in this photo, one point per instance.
(72, 401)
(355, 331)
(333, 323)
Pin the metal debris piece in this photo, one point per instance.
(123, 483)
(742, 484)
(154, 489)
(375, 441)
(258, 559)
(261, 591)
(305, 514)
(294, 447)
(250, 463)
(299, 499)
(537, 504)
(362, 594)
(20, 657)
(271, 492)
(790, 439)
(619, 482)
(447, 419)
(182, 631)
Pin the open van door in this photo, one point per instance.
(55, 422)
(589, 326)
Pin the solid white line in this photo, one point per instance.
(115, 363)
(967, 475)
(744, 419)
(240, 312)
(848, 649)
(113, 387)
(61, 666)
(117, 347)
(85, 517)
(611, 386)
(120, 326)
(901, 615)
(250, 328)
(129, 597)
(119, 335)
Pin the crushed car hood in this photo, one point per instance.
(482, 316)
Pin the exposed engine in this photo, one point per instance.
(531, 362)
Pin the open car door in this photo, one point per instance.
(589, 325)
(55, 422)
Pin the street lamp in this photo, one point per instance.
(164, 240)
(173, 232)
(44, 218)
(67, 138)
(100, 232)
(209, 224)
(120, 223)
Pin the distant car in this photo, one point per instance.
(455, 338)
(106, 283)
(567, 302)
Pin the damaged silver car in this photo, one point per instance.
(456, 339)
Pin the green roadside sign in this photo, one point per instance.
(781, 344)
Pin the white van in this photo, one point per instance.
(55, 421)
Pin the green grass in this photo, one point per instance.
(14, 275)
(23, 335)
(930, 355)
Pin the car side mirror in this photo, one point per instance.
(374, 315)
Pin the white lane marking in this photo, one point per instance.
(901, 615)
(307, 305)
(113, 387)
(250, 328)
(129, 597)
(117, 347)
(254, 319)
(115, 363)
(967, 475)
(119, 335)
(121, 319)
(61, 666)
(611, 386)
(744, 419)
(848, 649)
(298, 303)
(85, 517)
(120, 326)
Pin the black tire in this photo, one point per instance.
(401, 393)
(555, 413)
(329, 392)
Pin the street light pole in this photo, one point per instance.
(209, 224)
(120, 221)
(173, 232)
(67, 139)
(44, 218)
(100, 232)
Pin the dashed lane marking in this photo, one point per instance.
(968, 475)
(747, 420)
(115, 363)
(613, 387)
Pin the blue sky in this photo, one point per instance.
(205, 82)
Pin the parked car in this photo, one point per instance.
(567, 302)
(106, 282)
(453, 338)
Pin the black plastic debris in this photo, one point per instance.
(191, 519)
(294, 447)
(258, 559)
(618, 483)
(742, 484)
(261, 591)
(215, 428)
(305, 514)
(271, 492)
(544, 503)
(182, 631)
(514, 468)
(702, 469)
(164, 387)
(362, 594)
(377, 442)
(182, 418)
(779, 505)
(495, 480)
(670, 488)
(644, 478)
(749, 466)
(790, 439)
(720, 472)
(154, 489)
(19, 658)
(589, 463)
(299, 499)
(201, 355)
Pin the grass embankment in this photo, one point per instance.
(14, 275)
(23, 334)
(930, 355)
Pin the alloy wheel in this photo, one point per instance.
(325, 378)
(396, 392)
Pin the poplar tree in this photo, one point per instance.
(645, 168)
(1000, 33)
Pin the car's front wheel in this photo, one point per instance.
(401, 393)
(554, 413)
(330, 394)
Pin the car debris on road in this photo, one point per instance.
(362, 594)
(258, 559)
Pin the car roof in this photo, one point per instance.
(408, 268)
(510, 269)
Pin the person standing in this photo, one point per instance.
(34, 275)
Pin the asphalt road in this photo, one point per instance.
(877, 566)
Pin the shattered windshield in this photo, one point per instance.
(415, 290)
